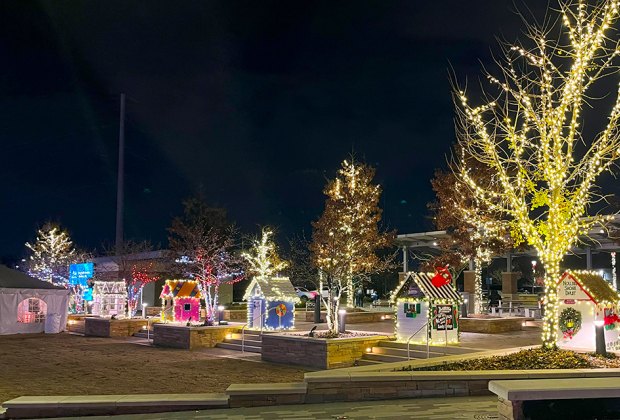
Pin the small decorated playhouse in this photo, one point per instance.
(424, 297)
(584, 297)
(109, 298)
(271, 303)
(180, 301)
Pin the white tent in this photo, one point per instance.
(28, 305)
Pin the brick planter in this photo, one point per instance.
(362, 317)
(318, 353)
(240, 315)
(190, 338)
(105, 327)
(492, 325)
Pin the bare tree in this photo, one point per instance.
(204, 244)
(529, 132)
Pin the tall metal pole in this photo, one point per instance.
(120, 185)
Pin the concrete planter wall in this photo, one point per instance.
(318, 353)
(492, 325)
(189, 338)
(354, 384)
(351, 318)
(239, 315)
(105, 327)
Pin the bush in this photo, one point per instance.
(525, 359)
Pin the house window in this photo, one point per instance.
(31, 310)
(187, 307)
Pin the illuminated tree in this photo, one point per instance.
(132, 269)
(52, 254)
(346, 237)
(477, 232)
(263, 260)
(529, 131)
(204, 246)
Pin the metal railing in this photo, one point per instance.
(246, 324)
(428, 349)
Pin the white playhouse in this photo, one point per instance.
(424, 307)
(585, 297)
(109, 298)
(28, 305)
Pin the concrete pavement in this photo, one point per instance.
(426, 408)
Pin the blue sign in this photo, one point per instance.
(80, 273)
(88, 294)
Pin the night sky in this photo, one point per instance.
(252, 103)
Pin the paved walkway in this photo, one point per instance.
(427, 408)
(527, 337)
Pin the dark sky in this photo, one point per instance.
(254, 103)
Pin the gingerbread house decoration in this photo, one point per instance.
(180, 301)
(271, 303)
(109, 298)
(585, 298)
(426, 307)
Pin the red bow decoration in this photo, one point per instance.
(442, 277)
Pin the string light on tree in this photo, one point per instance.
(613, 270)
(52, 253)
(528, 131)
(346, 237)
(476, 231)
(263, 259)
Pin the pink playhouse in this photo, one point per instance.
(180, 301)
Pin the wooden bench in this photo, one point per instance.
(540, 398)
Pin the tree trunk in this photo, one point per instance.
(550, 302)
(350, 291)
(478, 286)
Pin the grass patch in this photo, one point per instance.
(537, 358)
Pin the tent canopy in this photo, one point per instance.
(13, 279)
(28, 305)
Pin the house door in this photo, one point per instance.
(257, 311)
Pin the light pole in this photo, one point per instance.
(342, 315)
(144, 305)
(600, 337)
(220, 312)
(533, 275)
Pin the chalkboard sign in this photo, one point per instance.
(443, 318)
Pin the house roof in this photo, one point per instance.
(181, 289)
(13, 279)
(423, 287)
(593, 285)
(272, 288)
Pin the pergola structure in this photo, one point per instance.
(597, 241)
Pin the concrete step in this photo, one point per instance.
(433, 349)
(143, 334)
(249, 341)
(252, 335)
(384, 358)
(230, 346)
(98, 405)
(414, 354)
(367, 362)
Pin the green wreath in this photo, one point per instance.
(570, 322)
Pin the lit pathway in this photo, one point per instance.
(427, 408)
